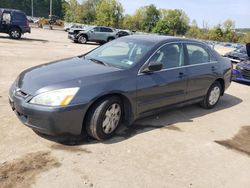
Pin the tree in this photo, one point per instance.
(41, 7)
(245, 38)
(194, 31)
(229, 34)
(173, 22)
(109, 13)
(89, 11)
(216, 33)
(151, 17)
(73, 11)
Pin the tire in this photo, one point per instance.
(15, 33)
(213, 96)
(82, 39)
(110, 39)
(104, 118)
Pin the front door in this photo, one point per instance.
(168, 86)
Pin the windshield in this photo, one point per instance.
(241, 50)
(121, 53)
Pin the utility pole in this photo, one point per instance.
(32, 9)
(50, 8)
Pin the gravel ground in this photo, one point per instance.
(187, 147)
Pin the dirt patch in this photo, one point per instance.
(240, 142)
(22, 172)
(69, 148)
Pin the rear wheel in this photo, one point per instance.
(15, 33)
(110, 39)
(82, 39)
(213, 96)
(104, 118)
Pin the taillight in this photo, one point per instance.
(27, 23)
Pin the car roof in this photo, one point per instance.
(161, 38)
(11, 10)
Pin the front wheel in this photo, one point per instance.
(82, 39)
(104, 118)
(213, 96)
(15, 33)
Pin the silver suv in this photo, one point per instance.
(94, 34)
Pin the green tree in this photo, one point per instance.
(73, 11)
(41, 7)
(173, 22)
(245, 38)
(89, 11)
(216, 33)
(194, 31)
(109, 13)
(151, 17)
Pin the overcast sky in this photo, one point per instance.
(211, 11)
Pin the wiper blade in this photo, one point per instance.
(98, 61)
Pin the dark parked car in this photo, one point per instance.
(123, 33)
(14, 23)
(94, 34)
(237, 55)
(117, 83)
(242, 71)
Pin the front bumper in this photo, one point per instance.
(72, 37)
(237, 76)
(49, 120)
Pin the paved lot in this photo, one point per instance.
(188, 147)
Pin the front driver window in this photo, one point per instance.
(170, 55)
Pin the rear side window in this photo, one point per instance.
(104, 29)
(19, 16)
(6, 17)
(170, 56)
(96, 29)
(197, 54)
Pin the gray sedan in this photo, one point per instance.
(117, 83)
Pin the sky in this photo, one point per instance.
(213, 12)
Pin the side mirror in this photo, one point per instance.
(248, 49)
(92, 31)
(152, 67)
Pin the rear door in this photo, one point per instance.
(202, 69)
(168, 86)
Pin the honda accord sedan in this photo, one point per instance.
(117, 83)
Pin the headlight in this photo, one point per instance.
(239, 68)
(60, 97)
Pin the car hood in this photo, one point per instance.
(237, 55)
(245, 64)
(59, 73)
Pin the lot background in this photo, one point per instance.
(173, 149)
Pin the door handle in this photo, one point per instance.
(181, 75)
(213, 68)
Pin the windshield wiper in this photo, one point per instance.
(98, 61)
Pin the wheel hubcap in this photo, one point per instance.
(112, 118)
(214, 95)
(82, 39)
(15, 34)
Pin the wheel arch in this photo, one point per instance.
(127, 107)
(222, 82)
(15, 26)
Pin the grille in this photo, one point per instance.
(245, 73)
